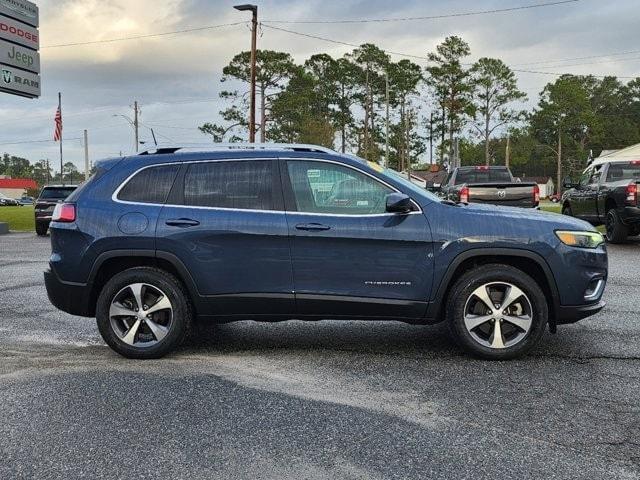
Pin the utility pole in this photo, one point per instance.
(559, 160)
(508, 150)
(254, 33)
(136, 124)
(386, 151)
(86, 155)
(431, 139)
(442, 136)
(407, 149)
(48, 172)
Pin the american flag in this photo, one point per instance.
(57, 135)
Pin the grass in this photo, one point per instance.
(20, 219)
(550, 207)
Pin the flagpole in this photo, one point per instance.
(61, 164)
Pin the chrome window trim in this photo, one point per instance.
(114, 196)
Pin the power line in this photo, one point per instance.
(429, 17)
(35, 141)
(613, 54)
(420, 57)
(151, 35)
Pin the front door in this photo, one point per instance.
(350, 257)
(225, 221)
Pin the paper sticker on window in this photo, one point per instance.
(363, 203)
(313, 173)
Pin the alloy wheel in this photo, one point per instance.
(141, 315)
(498, 315)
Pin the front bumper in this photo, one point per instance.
(73, 298)
(573, 314)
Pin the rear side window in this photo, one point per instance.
(244, 185)
(151, 185)
(623, 171)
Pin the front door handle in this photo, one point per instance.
(312, 227)
(182, 222)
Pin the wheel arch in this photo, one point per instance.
(110, 263)
(533, 264)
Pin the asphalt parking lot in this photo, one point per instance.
(313, 400)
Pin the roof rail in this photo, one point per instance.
(207, 147)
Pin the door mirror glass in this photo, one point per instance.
(398, 203)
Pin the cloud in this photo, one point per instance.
(102, 80)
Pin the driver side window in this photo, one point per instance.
(321, 187)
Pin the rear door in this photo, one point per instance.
(351, 258)
(224, 220)
(584, 203)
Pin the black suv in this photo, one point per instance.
(277, 232)
(49, 197)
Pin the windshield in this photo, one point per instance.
(56, 193)
(624, 171)
(478, 175)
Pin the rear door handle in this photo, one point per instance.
(312, 227)
(182, 222)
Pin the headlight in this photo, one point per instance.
(580, 239)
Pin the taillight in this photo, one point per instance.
(64, 212)
(482, 168)
(536, 194)
(464, 194)
(632, 194)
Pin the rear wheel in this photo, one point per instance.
(143, 313)
(616, 231)
(497, 312)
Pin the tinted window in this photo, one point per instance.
(56, 193)
(479, 175)
(320, 187)
(623, 171)
(246, 185)
(151, 185)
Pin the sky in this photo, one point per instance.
(176, 78)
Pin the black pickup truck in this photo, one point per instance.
(607, 193)
(495, 185)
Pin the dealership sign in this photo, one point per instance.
(17, 56)
(20, 33)
(19, 43)
(21, 10)
(19, 82)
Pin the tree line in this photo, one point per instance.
(342, 103)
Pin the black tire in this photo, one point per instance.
(460, 297)
(182, 316)
(566, 210)
(41, 230)
(616, 231)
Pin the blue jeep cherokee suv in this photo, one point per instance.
(274, 232)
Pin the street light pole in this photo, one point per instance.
(254, 33)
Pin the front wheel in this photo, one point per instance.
(497, 312)
(143, 313)
(566, 210)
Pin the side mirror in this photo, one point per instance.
(567, 183)
(398, 203)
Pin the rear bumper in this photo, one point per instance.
(572, 314)
(631, 215)
(72, 298)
